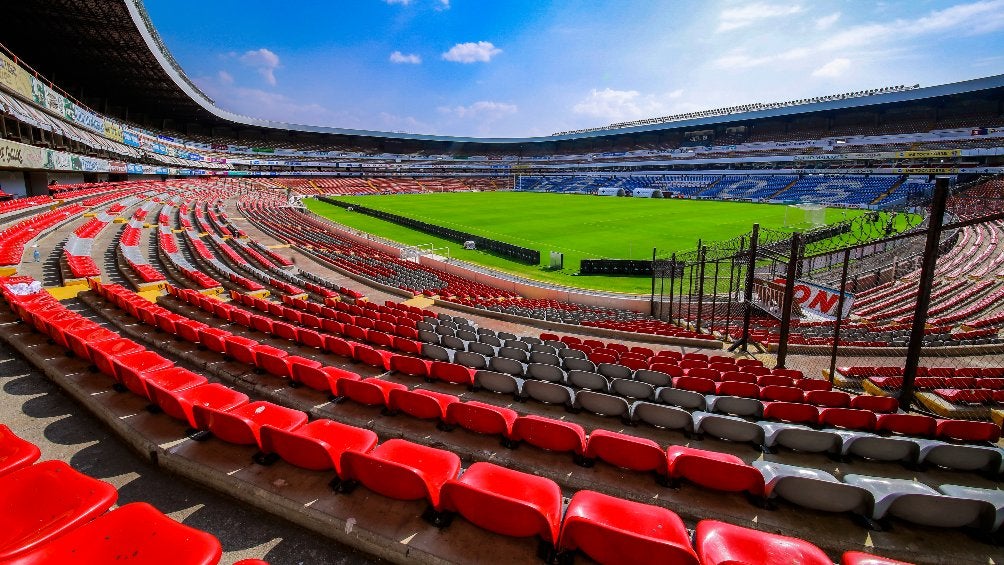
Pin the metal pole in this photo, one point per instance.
(925, 285)
(700, 288)
(789, 299)
(651, 307)
(672, 273)
(840, 313)
(748, 292)
(714, 297)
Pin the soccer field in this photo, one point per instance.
(581, 227)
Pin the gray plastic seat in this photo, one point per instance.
(654, 378)
(428, 337)
(461, 321)
(500, 383)
(543, 348)
(531, 340)
(486, 331)
(512, 353)
(435, 352)
(506, 335)
(588, 381)
(544, 358)
(603, 404)
(505, 365)
(557, 345)
(575, 364)
(425, 327)
(544, 372)
(682, 398)
(813, 488)
(451, 342)
(735, 405)
(482, 348)
(443, 329)
(960, 457)
(516, 344)
(632, 389)
(879, 448)
(728, 428)
(614, 371)
(470, 359)
(918, 503)
(666, 417)
(801, 438)
(467, 336)
(491, 340)
(993, 496)
(568, 353)
(549, 393)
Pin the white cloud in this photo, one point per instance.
(265, 61)
(480, 52)
(225, 77)
(443, 5)
(833, 69)
(399, 2)
(621, 105)
(485, 109)
(401, 58)
(826, 22)
(743, 16)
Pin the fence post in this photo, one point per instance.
(927, 268)
(840, 313)
(748, 292)
(651, 304)
(662, 289)
(700, 288)
(789, 299)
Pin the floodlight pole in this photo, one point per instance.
(930, 262)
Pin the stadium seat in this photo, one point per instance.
(242, 425)
(718, 543)
(549, 434)
(43, 501)
(420, 403)
(506, 502)
(920, 504)
(713, 470)
(371, 392)
(402, 470)
(614, 530)
(859, 558)
(813, 488)
(171, 378)
(626, 451)
(318, 445)
(482, 418)
(15, 452)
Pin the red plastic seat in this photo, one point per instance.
(318, 446)
(808, 385)
(617, 531)
(371, 391)
(421, 403)
(178, 404)
(79, 339)
(103, 353)
(504, 501)
(721, 543)
(965, 396)
(781, 393)
(261, 323)
(270, 359)
(241, 349)
(550, 434)
(378, 358)
(15, 452)
(732, 388)
(137, 533)
(794, 412)
(214, 339)
(736, 376)
(859, 558)
(828, 398)
(43, 501)
(966, 430)
(847, 418)
(693, 384)
(188, 330)
(174, 379)
(917, 425)
(482, 418)
(339, 346)
(321, 378)
(402, 470)
(134, 366)
(451, 373)
(714, 470)
(311, 338)
(283, 330)
(242, 425)
(410, 366)
(626, 451)
(878, 404)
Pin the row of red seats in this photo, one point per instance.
(13, 238)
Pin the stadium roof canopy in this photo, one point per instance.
(107, 55)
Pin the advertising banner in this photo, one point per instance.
(117, 167)
(113, 131)
(14, 77)
(38, 91)
(130, 138)
(933, 154)
(20, 156)
(88, 119)
(821, 300)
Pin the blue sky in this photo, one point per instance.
(534, 67)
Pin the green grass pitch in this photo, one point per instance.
(581, 227)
